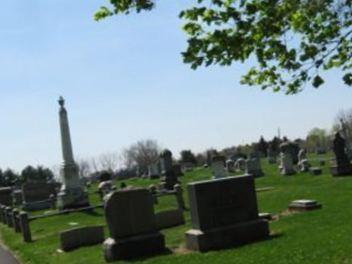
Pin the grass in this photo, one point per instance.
(322, 236)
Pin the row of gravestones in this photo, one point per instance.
(224, 214)
(251, 166)
(165, 164)
(16, 219)
(31, 197)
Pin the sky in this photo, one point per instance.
(124, 80)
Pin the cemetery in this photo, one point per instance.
(164, 165)
(210, 215)
(240, 209)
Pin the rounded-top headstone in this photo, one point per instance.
(166, 153)
(130, 212)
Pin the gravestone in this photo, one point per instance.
(224, 213)
(17, 197)
(153, 171)
(177, 169)
(342, 166)
(169, 178)
(303, 163)
(81, 236)
(104, 188)
(271, 155)
(36, 195)
(291, 148)
(286, 164)
(230, 165)
(253, 167)
(131, 222)
(187, 166)
(240, 164)
(6, 196)
(218, 167)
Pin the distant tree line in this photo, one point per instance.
(9, 177)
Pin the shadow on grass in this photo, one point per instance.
(166, 252)
(93, 213)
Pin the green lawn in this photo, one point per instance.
(322, 236)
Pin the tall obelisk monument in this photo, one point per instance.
(72, 194)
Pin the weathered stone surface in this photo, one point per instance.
(133, 247)
(253, 167)
(169, 218)
(72, 193)
(342, 166)
(36, 195)
(227, 236)
(83, 236)
(131, 222)
(5, 196)
(130, 212)
(169, 178)
(218, 167)
(286, 164)
(224, 213)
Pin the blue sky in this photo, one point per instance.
(123, 80)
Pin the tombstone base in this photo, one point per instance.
(72, 199)
(288, 172)
(229, 236)
(36, 206)
(341, 170)
(168, 183)
(133, 247)
(256, 173)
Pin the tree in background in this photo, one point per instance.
(210, 153)
(291, 41)
(108, 162)
(343, 122)
(142, 154)
(188, 156)
(9, 177)
(317, 140)
(40, 173)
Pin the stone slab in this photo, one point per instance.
(130, 212)
(170, 218)
(79, 237)
(133, 247)
(6, 196)
(341, 170)
(228, 236)
(304, 205)
(221, 202)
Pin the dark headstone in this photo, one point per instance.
(343, 167)
(224, 214)
(82, 236)
(169, 178)
(36, 195)
(170, 218)
(131, 222)
(5, 196)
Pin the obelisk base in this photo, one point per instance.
(72, 198)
